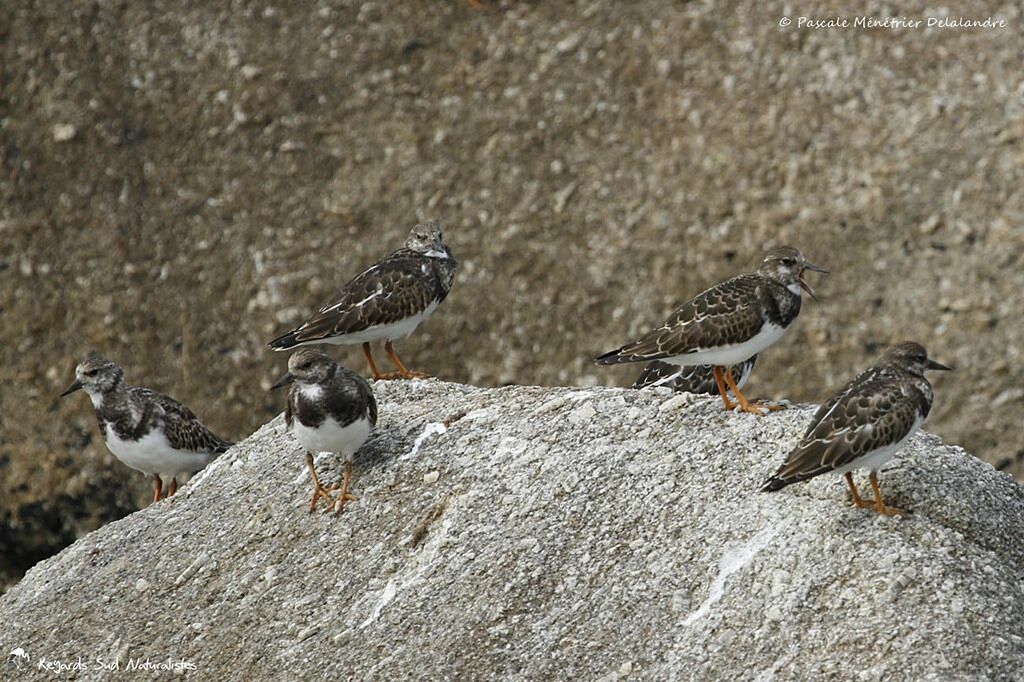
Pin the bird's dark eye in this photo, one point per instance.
(90, 372)
(788, 261)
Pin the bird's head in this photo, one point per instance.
(96, 374)
(307, 366)
(912, 357)
(787, 266)
(426, 238)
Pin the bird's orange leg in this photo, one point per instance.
(402, 372)
(879, 506)
(746, 405)
(158, 486)
(173, 487)
(858, 501)
(374, 373)
(318, 490)
(344, 497)
(716, 372)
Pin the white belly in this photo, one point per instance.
(154, 455)
(383, 332)
(874, 460)
(332, 437)
(734, 354)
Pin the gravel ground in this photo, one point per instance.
(533, 533)
(176, 188)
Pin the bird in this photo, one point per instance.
(728, 323)
(149, 431)
(864, 424)
(330, 409)
(385, 302)
(692, 379)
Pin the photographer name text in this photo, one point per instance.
(893, 23)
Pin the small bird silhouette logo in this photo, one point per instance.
(18, 657)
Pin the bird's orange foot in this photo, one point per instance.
(770, 406)
(339, 504)
(891, 511)
(318, 492)
(752, 408)
(398, 374)
(879, 508)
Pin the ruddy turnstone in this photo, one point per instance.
(692, 379)
(330, 409)
(149, 431)
(864, 424)
(386, 302)
(728, 323)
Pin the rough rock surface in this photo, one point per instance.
(547, 534)
(180, 184)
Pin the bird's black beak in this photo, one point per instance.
(937, 365)
(75, 385)
(803, 283)
(283, 381)
(815, 268)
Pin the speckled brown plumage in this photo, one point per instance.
(734, 319)
(148, 431)
(858, 425)
(133, 412)
(727, 314)
(345, 397)
(402, 285)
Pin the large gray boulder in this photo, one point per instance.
(535, 533)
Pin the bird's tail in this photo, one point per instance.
(285, 341)
(221, 447)
(775, 483)
(612, 357)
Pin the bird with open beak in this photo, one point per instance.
(728, 323)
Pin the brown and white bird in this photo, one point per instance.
(864, 424)
(385, 302)
(728, 323)
(330, 409)
(149, 431)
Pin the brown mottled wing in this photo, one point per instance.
(401, 285)
(183, 429)
(870, 414)
(723, 315)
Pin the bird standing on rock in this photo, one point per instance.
(330, 409)
(385, 302)
(149, 431)
(864, 424)
(728, 324)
